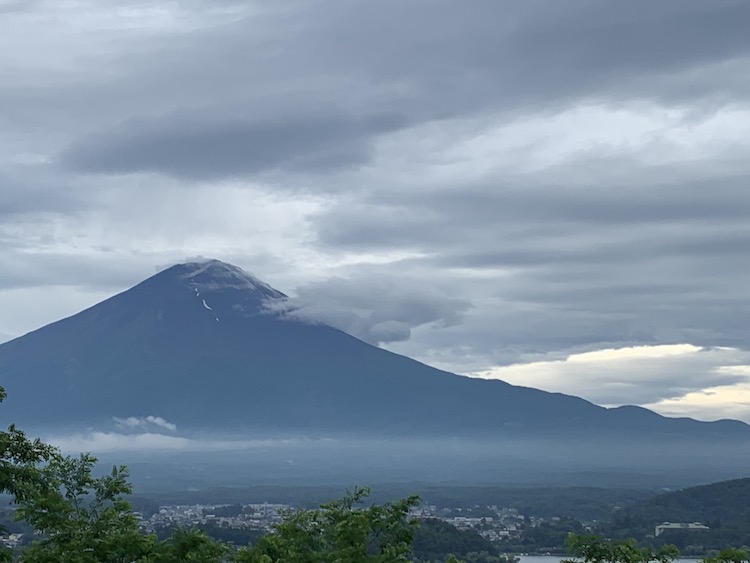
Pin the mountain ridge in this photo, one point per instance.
(197, 336)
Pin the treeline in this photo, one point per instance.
(436, 540)
(545, 537)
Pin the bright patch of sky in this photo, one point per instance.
(675, 380)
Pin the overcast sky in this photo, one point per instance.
(553, 193)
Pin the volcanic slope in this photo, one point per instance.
(207, 346)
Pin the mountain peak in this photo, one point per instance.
(214, 275)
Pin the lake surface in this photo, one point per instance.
(557, 559)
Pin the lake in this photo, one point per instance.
(557, 559)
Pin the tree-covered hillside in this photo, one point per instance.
(724, 507)
(728, 501)
(434, 539)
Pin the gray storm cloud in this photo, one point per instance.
(374, 308)
(199, 147)
(472, 185)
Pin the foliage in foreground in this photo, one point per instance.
(339, 531)
(85, 519)
(435, 538)
(728, 555)
(595, 549)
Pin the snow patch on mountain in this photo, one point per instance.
(208, 308)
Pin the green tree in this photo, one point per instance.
(19, 459)
(340, 531)
(82, 519)
(189, 546)
(594, 549)
(434, 539)
(728, 555)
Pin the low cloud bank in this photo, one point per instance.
(104, 442)
(99, 442)
(707, 383)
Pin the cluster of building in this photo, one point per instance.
(11, 540)
(491, 522)
(688, 526)
(501, 524)
(252, 516)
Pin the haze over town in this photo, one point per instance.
(553, 194)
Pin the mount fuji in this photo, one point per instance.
(203, 348)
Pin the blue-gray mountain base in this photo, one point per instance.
(224, 384)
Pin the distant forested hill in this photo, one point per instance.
(728, 501)
(723, 506)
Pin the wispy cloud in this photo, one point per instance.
(144, 423)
